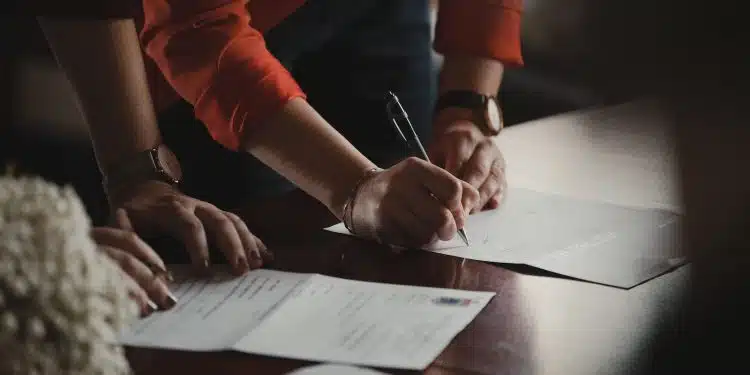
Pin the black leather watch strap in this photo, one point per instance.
(461, 99)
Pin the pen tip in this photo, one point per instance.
(463, 236)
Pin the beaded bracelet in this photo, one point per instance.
(349, 204)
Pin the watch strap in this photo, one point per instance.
(461, 98)
(144, 165)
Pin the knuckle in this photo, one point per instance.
(131, 238)
(445, 218)
(466, 137)
(455, 187)
(129, 264)
(173, 200)
(233, 217)
(225, 225)
(480, 169)
(207, 206)
(190, 222)
(495, 173)
(412, 162)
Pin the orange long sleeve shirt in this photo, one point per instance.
(212, 53)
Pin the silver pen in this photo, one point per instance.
(396, 114)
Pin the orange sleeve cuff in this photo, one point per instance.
(490, 29)
(215, 60)
(247, 89)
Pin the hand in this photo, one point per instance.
(412, 204)
(158, 208)
(139, 261)
(462, 149)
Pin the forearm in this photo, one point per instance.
(478, 74)
(300, 145)
(103, 61)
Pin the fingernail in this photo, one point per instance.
(160, 272)
(163, 272)
(151, 306)
(256, 260)
(242, 264)
(206, 264)
(171, 301)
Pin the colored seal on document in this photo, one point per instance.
(452, 301)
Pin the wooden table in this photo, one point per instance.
(535, 324)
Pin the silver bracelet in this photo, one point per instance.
(349, 204)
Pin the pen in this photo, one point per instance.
(397, 115)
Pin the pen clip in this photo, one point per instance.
(393, 116)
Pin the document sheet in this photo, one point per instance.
(593, 241)
(311, 317)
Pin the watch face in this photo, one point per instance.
(168, 163)
(494, 117)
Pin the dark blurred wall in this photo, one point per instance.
(42, 129)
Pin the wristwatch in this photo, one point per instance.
(158, 163)
(486, 110)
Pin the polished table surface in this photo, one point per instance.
(536, 324)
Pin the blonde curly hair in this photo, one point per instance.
(62, 302)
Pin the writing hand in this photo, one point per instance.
(412, 203)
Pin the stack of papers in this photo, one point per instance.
(311, 317)
(594, 241)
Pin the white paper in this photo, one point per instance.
(536, 228)
(331, 369)
(355, 322)
(312, 317)
(213, 314)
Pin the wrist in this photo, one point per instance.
(157, 164)
(448, 118)
(348, 209)
(343, 193)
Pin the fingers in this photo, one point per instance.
(255, 251)
(139, 296)
(224, 233)
(186, 226)
(478, 167)
(495, 201)
(155, 288)
(446, 188)
(459, 153)
(485, 170)
(470, 198)
(131, 243)
(430, 219)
